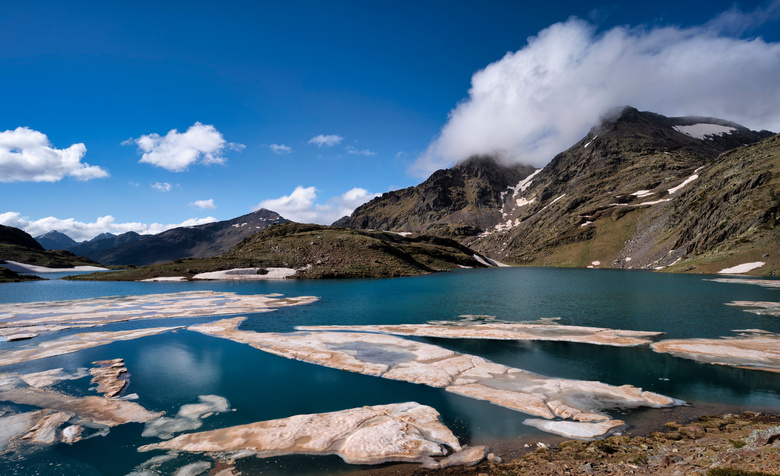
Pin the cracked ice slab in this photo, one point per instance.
(505, 331)
(468, 375)
(78, 313)
(752, 349)
(401, 432)
(766, 283)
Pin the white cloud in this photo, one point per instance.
(176, 151)
(27, 155)
(540, 100)
(161, 186)
(301, 206)
(327, 141)
(280, 148)
(204, 204)
(364, 152)
(81, 231)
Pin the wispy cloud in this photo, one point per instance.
(81, 231)
(161, 186)
(26, 155)
(204, 204)
(301, 205)
(365, 152)
(327, 141)
(538, 101)
(176, 151)
(280, 148)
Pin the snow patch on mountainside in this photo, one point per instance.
(704, 131)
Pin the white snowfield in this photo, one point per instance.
(246, 274)
(686, 181)
(31, 268)
(704, 130)
(742, 268)
(525, 183)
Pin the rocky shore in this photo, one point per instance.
(718, 445)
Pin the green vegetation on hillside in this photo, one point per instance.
(318, 252)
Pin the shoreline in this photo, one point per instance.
(515, 454)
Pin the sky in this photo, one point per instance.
(148, 115)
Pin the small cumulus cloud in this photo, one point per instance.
(176, 151)
(327, 141)
(204, 204)
(280, 148)
(161, 186)
(538, 101)
(81, 231)
(26, 155)
(364, 152)
(301, 205)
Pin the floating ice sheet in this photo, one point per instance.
(74, 343)
(767, 283)
(763, 308)
(505, 331)
(468, 375)
(753, 349)
(34, 317)
(406, 432)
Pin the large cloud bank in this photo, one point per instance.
(81, 231)
(301, 205)
(540, 100)
(27, 155)
(176, 151)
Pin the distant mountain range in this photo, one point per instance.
(639, 191)
(199, 241)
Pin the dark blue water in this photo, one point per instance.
(173, 369)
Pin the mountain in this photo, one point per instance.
(459, 202)
(102, 236)
(318, 251)
(54, 240)
(641, 190)
(646, 191)
(16, 245)
(198, 241)
(107, 242)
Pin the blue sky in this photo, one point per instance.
(388, 87)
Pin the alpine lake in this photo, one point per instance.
(172, 369)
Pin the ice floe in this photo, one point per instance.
(98, 410)
(766, 283)
(574, 429)
(763, 308)
(752, 349)
(467, 375)
(79, 313)
(74, 343)
(742, 268)
(188, 418)
(704, 130)
(47, 378)
(505, 331)
(110, 376)
(401, 432)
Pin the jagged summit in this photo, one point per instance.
(456, 202)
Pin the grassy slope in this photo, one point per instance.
(325, 252)
(50, 259)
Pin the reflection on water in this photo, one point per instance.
(173, 369)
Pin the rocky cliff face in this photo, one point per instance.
(645, 191)
(458, 202)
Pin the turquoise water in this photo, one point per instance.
(173, 369)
